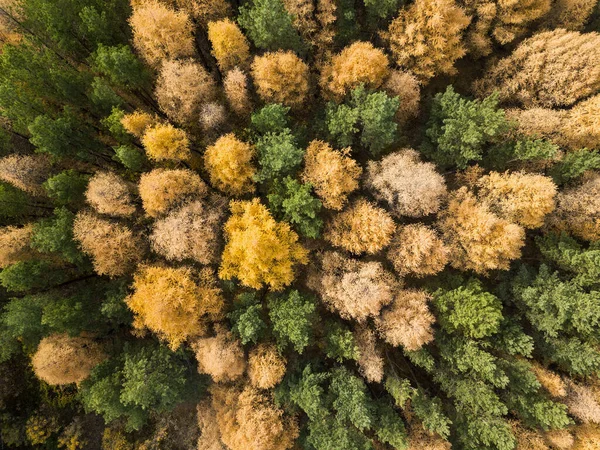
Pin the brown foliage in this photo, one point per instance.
(235, 85)
(266, 366)
(419, 439)
(160, 32)
(15, 244)
(249, 420)
(115, 250)
(370, 362)
(332, 173)
(210, 437)
(281, 77)
(582, 125)
(191, 232)
(181, 89)
(587, 437)
(138, 122)
(164, 189)
(61, 359)
(479, 240)
(528, 439)
(410, 187)
(229, 165)
(425, 38)
(175, 303)
(553, 68)
(417, 250)
(570, 14)
(540, 123)
(354, 289)
(582, 404)
(550, 381)
(559, 439)
(109, 194)
(165, 142)
(407, 321)
(359, 63)
(229, 45)
(221, 356)
(25, 172)
(205, 10)
(518, 197)
(406, 86)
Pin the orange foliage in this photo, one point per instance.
(266, 367)
(235, 85)
(109, 194)
(550, 381)
(406, 86)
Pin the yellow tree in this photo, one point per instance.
(266, 366)
(175, 303)
(137, 122)
(281, 77)
(165, 142)
(205, 10)
(259, 251)
(229, 45)
(229, 165)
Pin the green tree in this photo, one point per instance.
(293, 317)
(270, 118)
(278, 155)
(247, 318)
(67, 188)
(33, 275)
(121, 66)
(574, 164)
(340, 343)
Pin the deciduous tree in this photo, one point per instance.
(15, 244)
(165, 142)
(229, 165)
(417, 250)
(266, 366)
(26, 172)
(109, 194)
(235, 85)
(229, 45)
(221, 356)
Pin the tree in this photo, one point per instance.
(190, 232)
(165, 142)
(521, 198)
(161, 33)
(293, 316)
(410, 187)
(229, 165)
(266, 367)
(138, 122)
(271, 118)
(370, 361)
(354, 289)
(405, 86)
(181, 89)
(121, 66)
(15, 244)
(210, 436)
(580, 128)
(281, 77)
(67, 187)
(32, 275)
(550, 69)
(278, 155)
(163, 189)
(269, 25)
(333, 174)
(54, 235)
(417, 250)
(408, 321)
(60, 359)
(570, 15)
(360, 228)
(221, 356)
(114, 248)
(175, 303)
(425, 38)
(358, 64)
(274, 251)
(229, 45)
(292, 201)
(205, 10)
(479, 240)
(235, 85)
(459, 130)
(26, 172)
(110, 194)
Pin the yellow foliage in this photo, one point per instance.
(165, 142)
(570, 14)
(113, 439)
(175, 303)
(587, 437)
(281, 77)
(426, 37)
(528, 439)
(229, 165)
(164, 189)
(479, 240)
(582, 126)
(210, 436)
(138, 122)
(61, 359)
(417, 250)
(266, 367)
(40, 428)
(559, 439)
(259, 251)
(229, 45)
(359, 63)
(362, 227)
(26, 172)
(14, 244)
(332, 173)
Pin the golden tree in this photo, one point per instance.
(212, 116)
(550, 381)
(266, 366)
(581, 128)
(259, 251)
(479, 240)
(221, 356)
(61, 359)
(175, 303)
(281, 77)
(362, 227)
(332, 173)
(109, 194)
(235, 85)
(426, 37)
(26, 172)
(229, 165)
(518, 197)
(181, 89)
(164, 189)
(359, 63)
(569, 14)
(417, 250)
(210, 436)
(115, 249)
(160, 32)
(165, 142)
(205, 10)
(410, 187)
(138, 122)
(550, 69)
(229, 45)
(15, 244)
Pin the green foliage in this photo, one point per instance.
(121, 66)
(430, 412)
(66, 188)
(390, 427)
(574, 164)
(293, 316)
(22, 320)
(104, 97)
(13, 202)
(400, 390)
(114, 125)
(278, 155)
(352, 402)
(527, 149)
(340, 343)
(269, 26)
(292, 201)
(370, 114)
(459, 130)
(512, 339)
(33, 275)
(132, 158)
(270, 118)
(346, 20)
(247, 318)
(570, 354)
(468, 310)
(114, 307)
